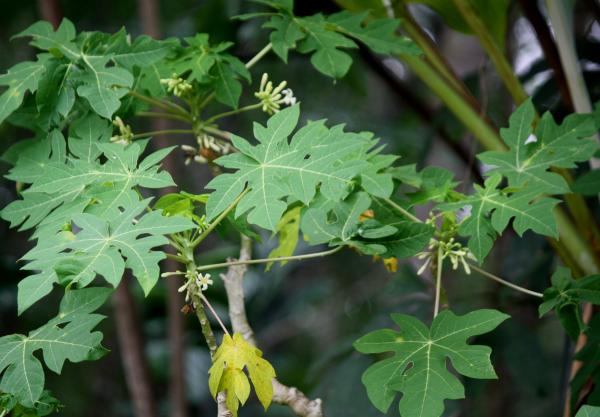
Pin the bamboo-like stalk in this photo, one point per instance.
(502, 65)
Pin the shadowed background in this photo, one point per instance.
(306, 315)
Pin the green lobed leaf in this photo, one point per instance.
(277, 171)
(97, 66)
(88, 176)
(59, 42)
(69, 336)
(418, 368)
(101, 247)
(325, 46)
(588, 184)
(103, 86)
(288, 229)
(565, 296)
(285, 35)
(19, 79)
(210, 65)
(379, 35)
(327, 37)
(143, 52)
(531, 156)
(492, 209)
(588, 411)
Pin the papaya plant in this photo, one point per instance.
(85, 181)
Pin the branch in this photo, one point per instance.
(233, 279)
(222, 410)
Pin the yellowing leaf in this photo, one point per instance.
(391, 264)
(288, 228)
(227, 373)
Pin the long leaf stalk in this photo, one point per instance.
(433, 54)
(165, 105)
(258, 261)
(438, 280)
(163, 132)
(267, 260)
(505, 71)
(219, 218)
(485, 134)
(505, 282)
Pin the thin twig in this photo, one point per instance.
(438, 281)
(214, 313)
(161, 115)
(163, 132)
(267, 260)
(505, 282)
(402, 210)
(259, 55)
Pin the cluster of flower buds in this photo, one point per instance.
(177, 85)
(199, 281)
(125, 135)
(451, 249)
(209, 148)
(273, 97)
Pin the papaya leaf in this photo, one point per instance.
(588, 184)
(69, 336)
(530, 157)
(565, 297)
(19, 79)
(89, 176)
(288, 229)
(99, 248)
(327, 38)
(492, 209)
(418, 368)
(588, 411)
(276, 170)
(227, 373)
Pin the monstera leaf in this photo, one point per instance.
(69, 336)
(418, 368)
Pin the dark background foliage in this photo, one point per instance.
(306, 315)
